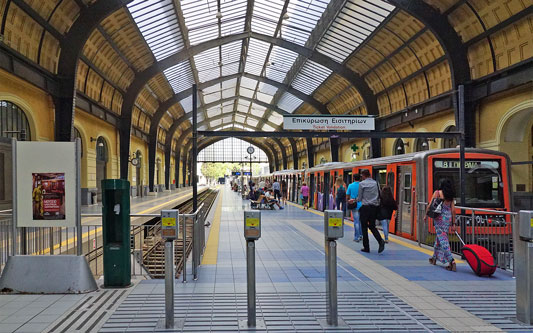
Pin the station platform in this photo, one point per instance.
(146, 205)
(397, 290)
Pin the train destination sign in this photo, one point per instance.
(335, 123)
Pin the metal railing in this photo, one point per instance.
(492, 229)
(63, 240)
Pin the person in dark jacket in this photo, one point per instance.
(388, 204)
(340, 197)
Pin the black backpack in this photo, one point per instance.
(341, 192)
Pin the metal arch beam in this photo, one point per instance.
(142, 78)
(71, 48)
(456, 53)
(451, 42)
(294, 153)
(310, 152)
(283, 152)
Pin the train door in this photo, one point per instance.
(405, 204)
(311, 189)
(325, 192)
(391, 182)
(379, 174)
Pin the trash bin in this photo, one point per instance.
(116, 232)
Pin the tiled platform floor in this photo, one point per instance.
(392, 291)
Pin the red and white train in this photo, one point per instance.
(413, 178)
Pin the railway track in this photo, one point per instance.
(154, 248)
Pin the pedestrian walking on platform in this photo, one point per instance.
(442, 223)
(353, 205)
(305, 195)
(340, 196)
(387, 207)
(277, 190)
(284, 191)
(369, 197)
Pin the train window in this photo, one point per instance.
(390, 179)
(484, 185)
(381, 177)
(407, 187)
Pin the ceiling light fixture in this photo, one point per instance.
(286, 16)
(218, 15)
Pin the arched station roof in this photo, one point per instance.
(254, 60)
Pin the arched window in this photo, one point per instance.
(13, 122)
(421, 144)
(399, 147)
(101, 150)
(450, 143)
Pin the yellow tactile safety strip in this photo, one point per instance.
(211, 248)
(99, 229)
(392, 238)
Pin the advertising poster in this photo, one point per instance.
(48, 195)
(47, 184)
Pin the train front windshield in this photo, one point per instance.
(484, 185)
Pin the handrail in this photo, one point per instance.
(144, 215)
(484, 210)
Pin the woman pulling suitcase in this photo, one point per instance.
(442, 223)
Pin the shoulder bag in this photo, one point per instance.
(435, 207)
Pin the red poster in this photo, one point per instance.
(48, 196)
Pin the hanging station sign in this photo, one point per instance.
(332, 123)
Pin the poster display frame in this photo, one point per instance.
(52, 157)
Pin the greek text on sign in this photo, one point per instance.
(252, 222)
(335, 222)
(168, 222)
(334, 123)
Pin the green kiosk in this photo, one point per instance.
(116, 232)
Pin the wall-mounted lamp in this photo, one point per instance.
(100, 144)
(406, 143)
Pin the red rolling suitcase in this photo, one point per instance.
(479, 258)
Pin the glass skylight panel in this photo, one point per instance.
(227, 120)
(255, 59)
(227, 107)
(233, 15)
(281, 61)
(310, 77)
(212, 97)
(268, 128)
(159, 26)
(214, 112)
(276, 118)
(215, 123)
(267, 88)
(303, 17)
(208, 64)
(243, 106)
(266, 15)
(202, 128)
(289, 102)
(186, 104)
(180, 76)
(252, 122)
(246, 92)
(231, 68)
(356, 21)
(200, 19)
(239, 119)
(264, 97)
(226, 93)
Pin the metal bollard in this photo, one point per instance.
(333, 230)
(252, 232)
(331, 282)
(169, 284)
(250, 279)
(523, 251)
